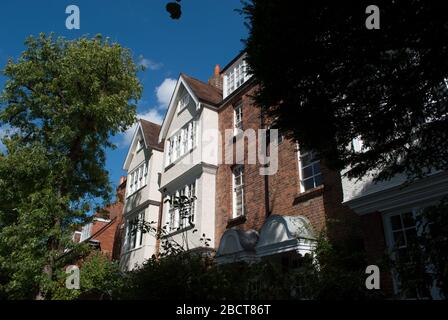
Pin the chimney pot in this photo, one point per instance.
(216, 79)
(217, 70)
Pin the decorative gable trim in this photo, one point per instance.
(132, 146)
(172, 107)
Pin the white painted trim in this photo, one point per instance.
(301, 246)
(172, 108)
(195, 122)
(234, 215)
(102, 220)
(388, 235)
(146, 176)
(132, 146)
(246, 76)
(299, 164)
(138, 234)
(426, 190)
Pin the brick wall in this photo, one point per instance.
(110, 234)
(320, 206)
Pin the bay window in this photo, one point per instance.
(134, 234)
(181, 142)
(137, 178)
(176, 219)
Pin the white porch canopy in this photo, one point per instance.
(279, 234)
(237, 245)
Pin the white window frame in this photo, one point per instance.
(173, 219)
(192, 193)
(190, 136)
(238, 112)
(138, 178)
(140, 144)
(170, 220)
(235, 77)
(183, 102)
(169, 156)
(239, 168)
(301, 168)
(138, 237)
(181, 142)
(388, 233)
(390, 242)
(86, 232)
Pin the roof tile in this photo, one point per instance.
(151, 132)
(204, 91)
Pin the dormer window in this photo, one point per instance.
(183, 102)
(235, 76)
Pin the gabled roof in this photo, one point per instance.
(150, 132)
(201, 92)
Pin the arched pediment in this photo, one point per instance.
(234, 241)
(278, 229)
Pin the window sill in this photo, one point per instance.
(132, 250)
(236, 221)
(172, 164)
(135, 192)
(179, 231)
(309, 194)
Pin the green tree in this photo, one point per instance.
(328, 79)
(330, 273)
(423, 265)
(98, 276)
(63, 100)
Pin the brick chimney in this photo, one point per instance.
(216, 79)
(121, 190)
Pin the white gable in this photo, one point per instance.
(180, 91)
(138, 135)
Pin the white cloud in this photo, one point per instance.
(165, 91)
(149, 64)
(152, 115)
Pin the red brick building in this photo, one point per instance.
(250, 203)
(276, 205)
(105, 231)
(301, 187)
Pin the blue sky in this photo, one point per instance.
(209, 33)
